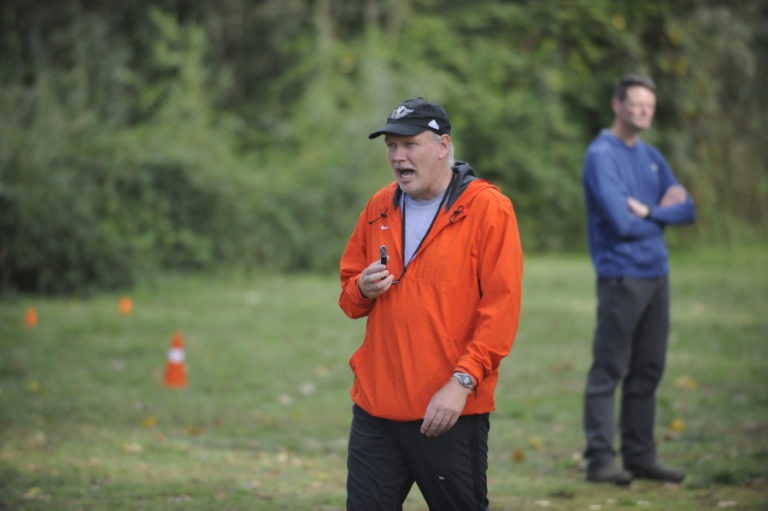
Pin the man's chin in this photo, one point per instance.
(642, 126)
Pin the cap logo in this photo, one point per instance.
(400, 112)
(433, 124)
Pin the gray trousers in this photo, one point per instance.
(629, 347)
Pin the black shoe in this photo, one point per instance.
(609, 473)
(656, 471)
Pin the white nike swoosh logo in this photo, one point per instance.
(384, 227)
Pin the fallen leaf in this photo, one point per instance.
(33, 493)
(307, 388)
(264, 496)
(195, 430)
(536, 443)
(38, 440)
(561, 367)
(181, 498)
(132, 448)
(677, 425)
(149, 422)
(33, 386)
(686, 382)
(517, 455)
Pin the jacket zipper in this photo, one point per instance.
(426, 234)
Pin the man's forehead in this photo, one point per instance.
(640, 91)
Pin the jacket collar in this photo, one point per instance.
(462, 176)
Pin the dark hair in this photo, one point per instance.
(632, 80)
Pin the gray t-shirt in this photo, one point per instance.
(418, 218)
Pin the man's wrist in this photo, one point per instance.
(466, 380)
(361, 290)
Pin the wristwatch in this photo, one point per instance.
(465, 379)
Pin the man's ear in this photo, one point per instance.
(445, 145)
(615, 105)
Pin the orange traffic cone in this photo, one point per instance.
(125, 305)
(30, 317)
(175, 372)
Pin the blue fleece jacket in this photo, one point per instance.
(622, 244)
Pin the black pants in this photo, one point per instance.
(629, 347)
(385, 458)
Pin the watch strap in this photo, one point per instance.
(466, 380)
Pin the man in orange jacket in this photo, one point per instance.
(443, 308)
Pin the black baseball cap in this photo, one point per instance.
(413, 116)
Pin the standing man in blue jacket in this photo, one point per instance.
(631, 196)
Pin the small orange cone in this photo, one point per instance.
(30, 317)
(175, 372)
(125, 305)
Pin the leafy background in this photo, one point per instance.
(143, 136)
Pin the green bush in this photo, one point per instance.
(86, 202)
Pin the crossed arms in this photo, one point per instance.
(675, 194)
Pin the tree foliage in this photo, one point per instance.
(146, 135)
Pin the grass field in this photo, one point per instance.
(85, 422)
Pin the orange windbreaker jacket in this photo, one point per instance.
(455, 308)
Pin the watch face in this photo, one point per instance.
(465, 380)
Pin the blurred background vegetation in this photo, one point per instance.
(148, 135)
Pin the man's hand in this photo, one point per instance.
(675, 194)
(444, 408)
(374, 280)
(638, 208)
